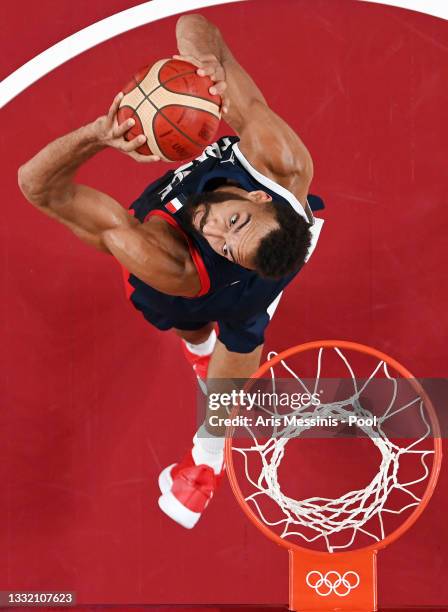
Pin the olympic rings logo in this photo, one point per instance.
(332, 582)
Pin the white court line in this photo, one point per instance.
(91, 36)
(436, 8)
(137, 16)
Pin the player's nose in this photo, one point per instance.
(212, 229)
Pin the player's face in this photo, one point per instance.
(234, 228)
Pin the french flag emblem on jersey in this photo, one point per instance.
(173, 206)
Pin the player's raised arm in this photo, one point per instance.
(48, 179)
(48, 182)
(266, 140)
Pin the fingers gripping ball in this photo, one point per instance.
(173, 108)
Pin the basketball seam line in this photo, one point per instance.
(190, 95)
(146, 95)
(196, 144)
(134, 114)
(161, 84)
(169, 120)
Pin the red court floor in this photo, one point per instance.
(89, 390)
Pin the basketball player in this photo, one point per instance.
(214, 242)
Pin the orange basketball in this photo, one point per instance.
(172, 107)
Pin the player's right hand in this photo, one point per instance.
(111, 134)
(209, 65)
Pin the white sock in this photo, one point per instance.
(205, 348)
(208, 449)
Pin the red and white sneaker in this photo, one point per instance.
(187, 489)
(199, 363)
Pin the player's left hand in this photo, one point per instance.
(209, 65)
(112, 134)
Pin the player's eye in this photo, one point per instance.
(233, 219)
(224, 249)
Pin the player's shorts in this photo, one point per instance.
(238, 334)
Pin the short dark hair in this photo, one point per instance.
(283, 250)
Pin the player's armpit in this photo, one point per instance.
(145, 255)
(266, 139)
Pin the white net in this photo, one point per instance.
(336, 523)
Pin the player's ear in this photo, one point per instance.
(259, 196)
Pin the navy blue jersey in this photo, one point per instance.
(237, 298)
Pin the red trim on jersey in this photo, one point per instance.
(128, 288)
(204, 278)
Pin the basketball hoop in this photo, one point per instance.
(333, 540)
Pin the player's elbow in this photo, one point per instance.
(28, 185)
(300, 165)
(306, 168)
(38, 191)
(186, 21)
(195, 25)
(23, 180)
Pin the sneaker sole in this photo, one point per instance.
(165, 480)
(171, 506)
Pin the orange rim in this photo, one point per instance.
(432, 480)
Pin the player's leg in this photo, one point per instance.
(198, 345)
(188, 486)
(227, 371)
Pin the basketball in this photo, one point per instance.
(173, 108)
